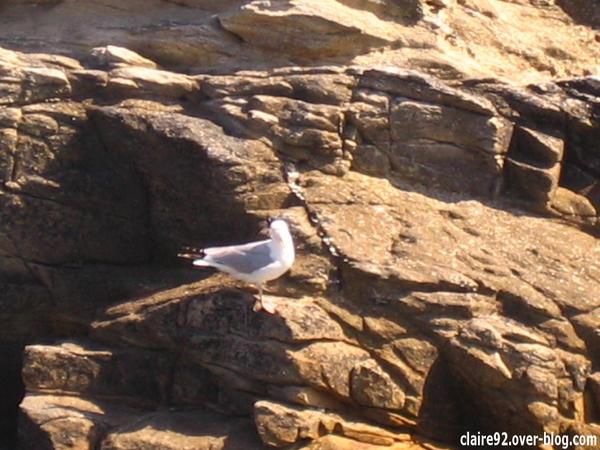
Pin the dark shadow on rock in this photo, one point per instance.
(444, 413)
(591, 398)
(11, 391)
(102, 219)
(582, 11)
(190, 172)
(31, 437)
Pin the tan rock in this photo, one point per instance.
(325, 88)
(407, 289)
(368, 159)
(10, 117)
(372, 387)
(306, 28)
(139, 81)
(594, 393)
(177, 430)
(8, 140)
(417, 352)
(591, 433)
(38, 125)
(86, 82)
(301, 130)
(76, 370)
(223, 86)
(563, 333)
(325, 85)
(112, 55)
(294, 113)
(445, 166)
(512, 358)
(516, 40)
(333, 442)
(280, 425)
(412, 120)
(418, 86)
(303, 321)
(568, 203)
(587, 326)
(65, 422)
(31, 84)
(537, 145)
(372, 122)
(51, 84)
(304, 396)
(531, 182)
(328, 365)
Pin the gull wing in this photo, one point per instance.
(243, 259)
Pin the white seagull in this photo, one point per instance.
(255, 262)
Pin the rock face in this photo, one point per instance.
(443, 205)
(521, 40)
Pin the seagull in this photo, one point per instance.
(254, 262)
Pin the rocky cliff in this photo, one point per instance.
(438, 162)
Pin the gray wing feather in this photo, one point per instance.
(245, 259)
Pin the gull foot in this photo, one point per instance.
(266, 304)
(269, 306)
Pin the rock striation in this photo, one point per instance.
(445, 215)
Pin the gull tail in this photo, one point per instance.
(201, 263)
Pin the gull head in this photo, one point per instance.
(279, 230)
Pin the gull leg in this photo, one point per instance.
(258, 305)
(268, 307)
(246, 318)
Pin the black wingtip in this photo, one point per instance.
(191, 253)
